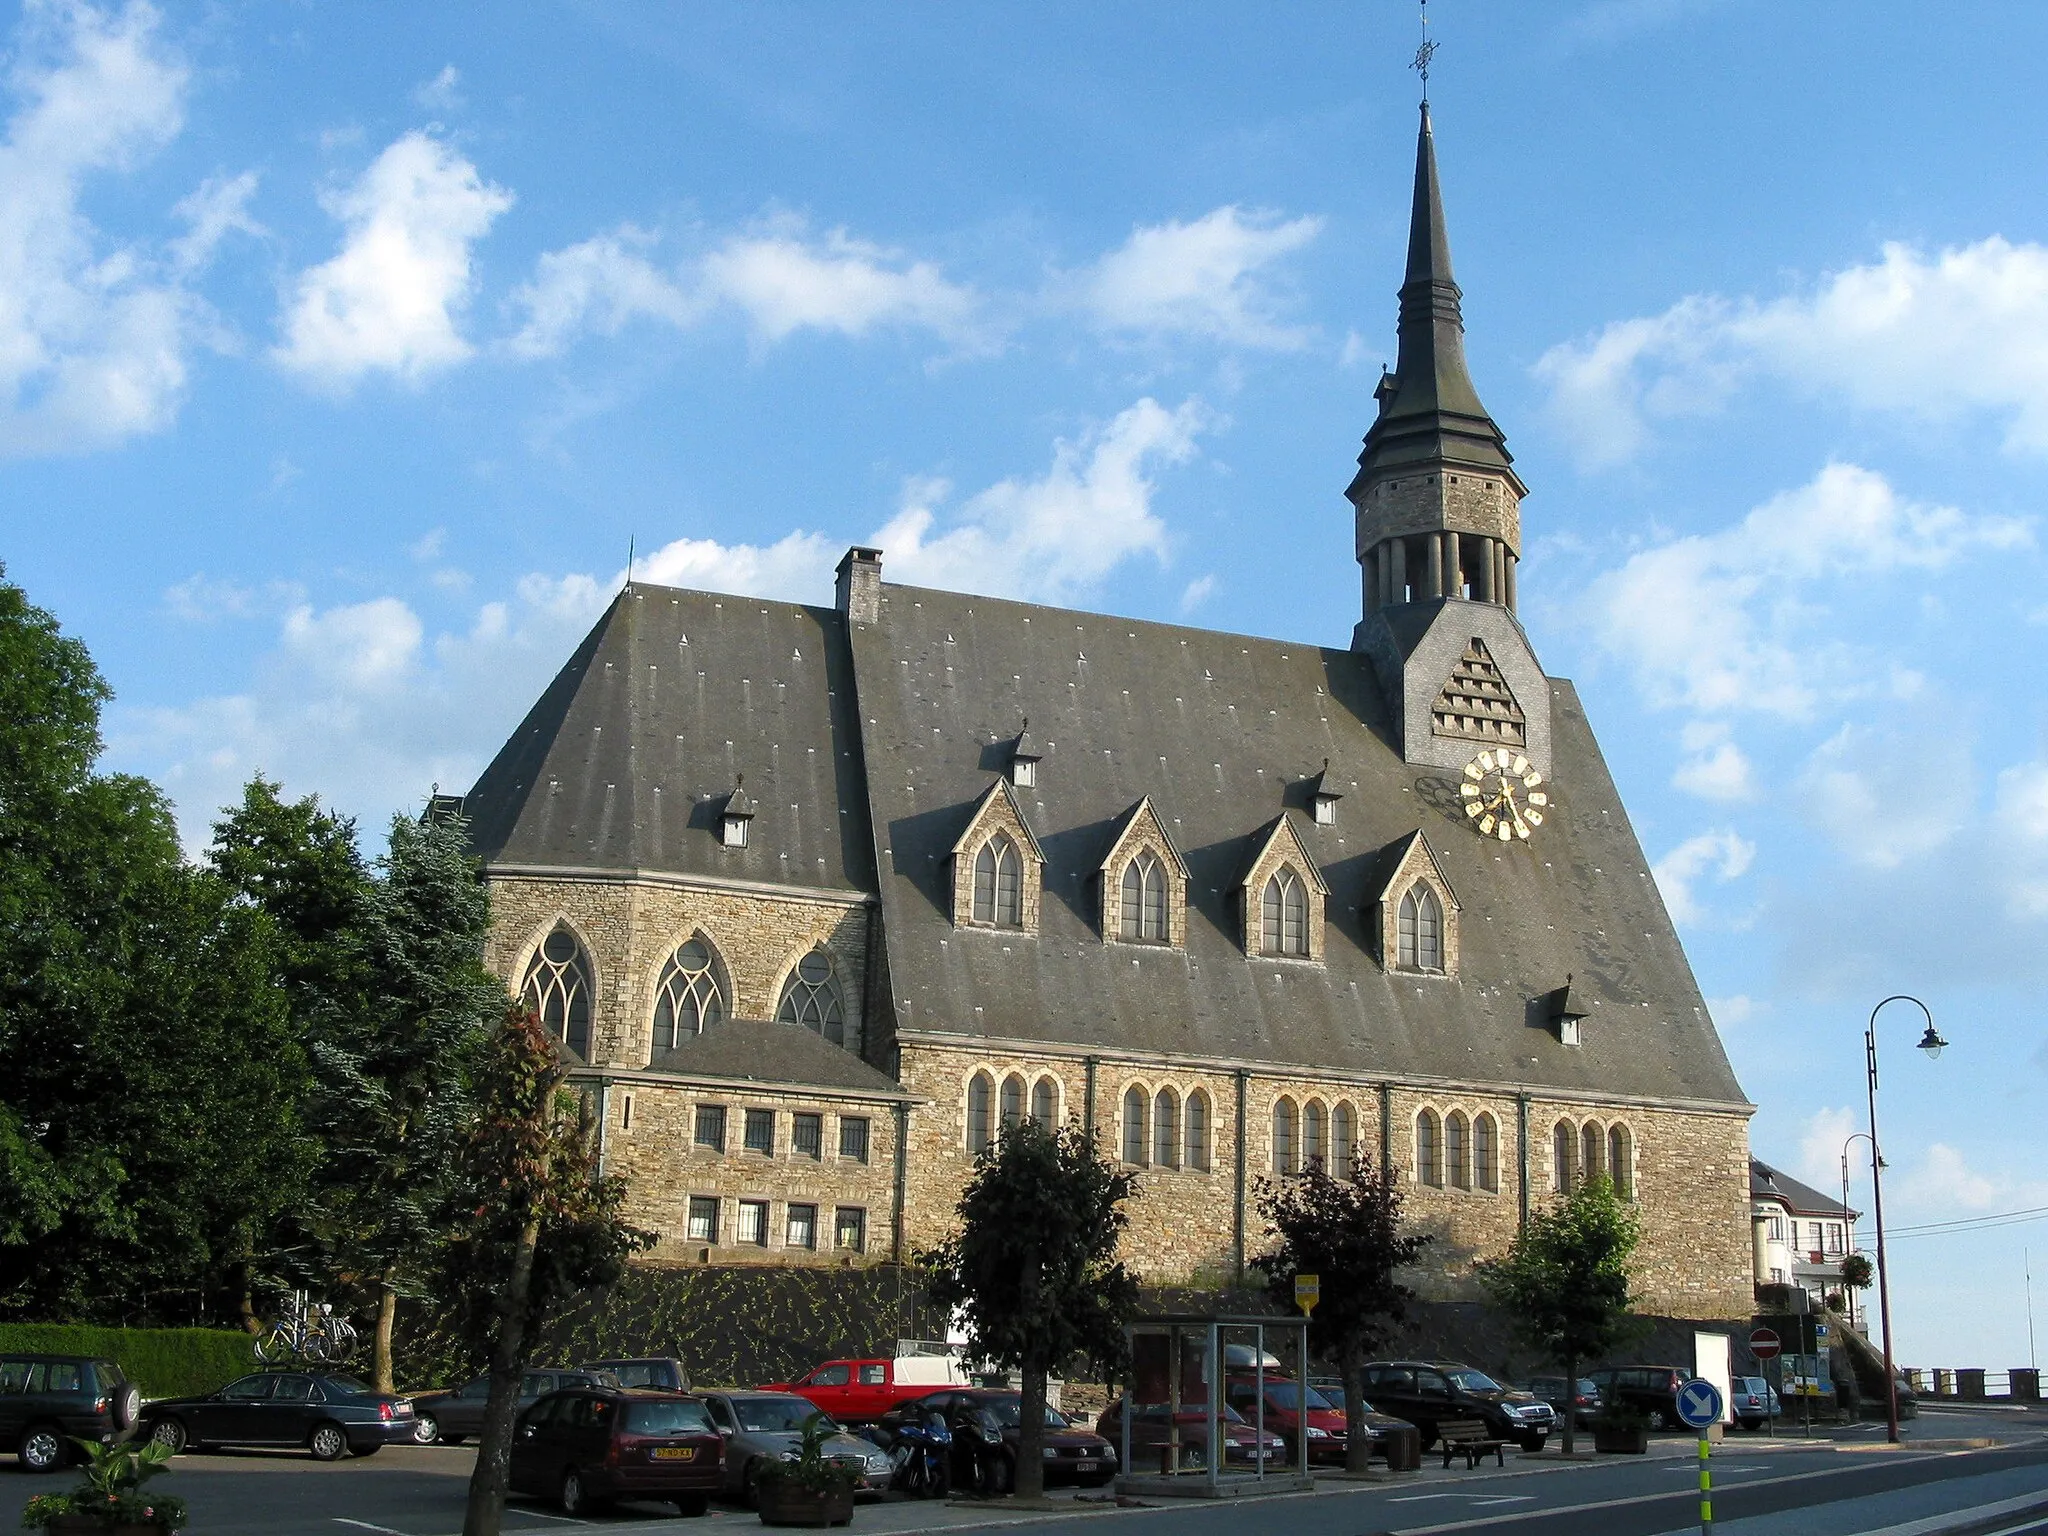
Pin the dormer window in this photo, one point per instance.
(1416, 914)
(999, 884)
(737, 816)
(1564, 1013)
(1024, 759)
(1144, 899)
(1284, 930)
(1143, 881)
(997, 865)
(1323, 798)
(1421, 930)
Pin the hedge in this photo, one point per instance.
(162, 1362)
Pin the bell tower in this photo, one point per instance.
(1437, 507)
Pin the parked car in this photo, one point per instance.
(760, 1427)
(1291, 1409)
(452, 1417)
(1753, 1401)
(1652, 1390)
(590, 1445)
(1585, 1402)
(47, 1401)
(1427, 1392)
(861, 1391)
(1376, 1423)
(1071, 1452)
(1154, 1427)
(331, 1415)
(662, 1373)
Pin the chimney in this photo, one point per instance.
(860, 585)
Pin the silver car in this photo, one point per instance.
(759, 1427)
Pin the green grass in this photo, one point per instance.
(162, 1362)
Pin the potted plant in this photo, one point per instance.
(1621, 1429)
(806, 1489)
(111, 1501)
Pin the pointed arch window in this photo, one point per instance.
(1013, 1101)
(1458, 1149)
(1044, 1103)
(1563, 1156)
(688, 999)
(1486, 1154)
(1284, 925)
(1286, 1156)
(1592, 1150)
(980, 1096)
(1343, 1140)
(999, 883)
(1314, 1135)
(1134, 1125)
(811, 998)
(1197, 1139)
(1621, 1161)
(1143, 907)
(1166, 1129)
(1420, 927)
(1429, 1149)
(557, 988)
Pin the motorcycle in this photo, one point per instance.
(984, 1458)
(922, 1453)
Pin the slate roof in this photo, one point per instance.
(1768, 1183)
(627, 761)
(785, 1055)
(1223, 731)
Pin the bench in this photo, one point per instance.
(1469, 1438)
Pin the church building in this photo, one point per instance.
(821, 898)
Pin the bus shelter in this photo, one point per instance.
(1180, 1437)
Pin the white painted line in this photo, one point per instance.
(364, 1525)
(541, 1514)
(1956, 1517)
(1503, 1498)
(1417, 1498)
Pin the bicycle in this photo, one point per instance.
(307, 1331)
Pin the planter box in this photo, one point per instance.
(783, 1504)
(1623, 1442)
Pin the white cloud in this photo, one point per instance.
(1944, 1180)
(1717, 769)
(1888, 795)
(1205, 278)
(1820, 1148)
(2022, 829)
(597, 285)
(1726, 621)
(1926, 337)
(219, 207)
(1731, 1012)
(391, 298)
(1196, 593)
(443, 93)
(92, 333)
(797, 567)
(1721, 856)
(203, 599)
(784, 281)
(363, 646)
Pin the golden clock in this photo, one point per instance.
(1504, 797)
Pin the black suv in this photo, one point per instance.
(1429, 1392)
(46, 1401)
(1652, 1390)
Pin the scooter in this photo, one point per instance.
(985, 1459)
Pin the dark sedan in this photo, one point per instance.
(330, 1415)
(452, 1417)
(1072, 1452)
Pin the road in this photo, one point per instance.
(1790, 1487)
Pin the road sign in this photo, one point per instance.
(1699, 1403)
(1764, 1343)
(1308, 1290)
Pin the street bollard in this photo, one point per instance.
(1706, 1488)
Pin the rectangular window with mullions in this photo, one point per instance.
(807, 1135)
(853, 1138)
(850, 1229)
(760, 1131)
(711, 1127)
(702, 1226)
(752, 1226)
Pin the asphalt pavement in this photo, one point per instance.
(1833, 1485)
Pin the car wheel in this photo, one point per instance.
(327, 1442)
(425, 1431)
(127, 1407)
(691, 1505)
(168, 1433)
(42, 1449)
(574, 1497)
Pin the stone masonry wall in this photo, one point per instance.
(1428, 501)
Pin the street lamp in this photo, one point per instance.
(1932, 1044)
(1849, 1226)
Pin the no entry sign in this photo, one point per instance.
(1764, 1343)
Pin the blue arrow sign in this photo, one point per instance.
(1699, 1403)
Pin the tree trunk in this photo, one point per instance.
(1357, 1444)
(1571, 1403)
(1031, 1432)
(380, 1350)
(245, 1302)
(486, 1512)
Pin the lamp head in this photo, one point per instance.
(1932, 1043)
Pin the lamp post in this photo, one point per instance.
(1932, 1044)
(1848, 1224)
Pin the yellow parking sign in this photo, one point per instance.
(1308, 1290)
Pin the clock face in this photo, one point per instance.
(1503, 795)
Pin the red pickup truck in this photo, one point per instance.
(860, 1391)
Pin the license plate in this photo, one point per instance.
(1084, 1466)
(402, 1411)
(674, 1453)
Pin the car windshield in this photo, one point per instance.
(346, 1384)
(772, 1415)
(1287, 1394)
(673, 1417)
(1474, 1381)
(1009, 1412)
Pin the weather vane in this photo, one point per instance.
(1424, 54)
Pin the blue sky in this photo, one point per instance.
(344, 348)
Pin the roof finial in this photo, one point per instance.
(630, 540)
(1423, 55)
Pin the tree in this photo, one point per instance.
(1033, 1269)
(535, 1223)
(1350, 1233)
(1857, 1273)
(1564, 1281)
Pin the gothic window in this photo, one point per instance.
(811, 998)
(1486, 1154)
(980, 1093)
(1314, 1135)
(999, 883)
(1286, 1158)
(1044, 1103)
(1284, 930)
(1621, 1161)
(1143, 907)
(1134, 1125)
(1343, 1140)
(1429, 1150)
(1592, 1151)
(688, 998)
(1198, 1131)
(557, 988)
(1166, 1129)
(1458, 1149)
(1421, 930)
(1013, 1100)
(1564, 1145)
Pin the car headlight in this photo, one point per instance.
(1051, 1453)
(1108, 1453)
(1317, 1434)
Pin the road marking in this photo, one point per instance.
(364, 1525)
(1503, 1498)
(541, 1514)
(1417, 1498)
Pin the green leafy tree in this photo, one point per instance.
(1564, 1281)
(535, 1223)
(1857, 1273)
(1033, 1267)
(1350, 1233)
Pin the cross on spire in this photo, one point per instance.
(1424, 54)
